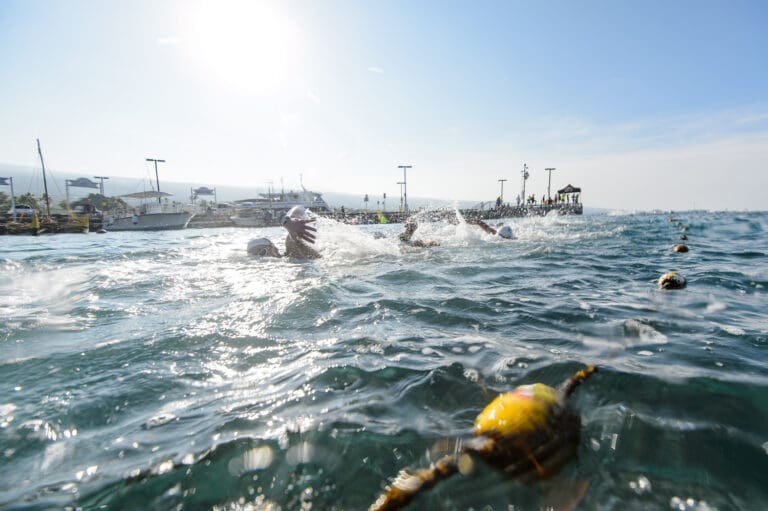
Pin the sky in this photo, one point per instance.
(644, 105)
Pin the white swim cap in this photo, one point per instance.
(505, 232)
(297, 211)
(261, 247)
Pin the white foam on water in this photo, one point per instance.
(637, 333)
(340, 242)
(733, 330)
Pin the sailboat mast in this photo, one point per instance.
(157, 178)
(45, 181)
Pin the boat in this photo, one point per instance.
(22, 225)
(149, 216)
(65, 224)
(24, 219)
(268, 209)
(58, 224)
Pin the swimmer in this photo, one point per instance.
(503, 232)
(300, 235)
(411, 226)
(262, 247)
(407, 235)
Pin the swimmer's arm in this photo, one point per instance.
(407, 234)
(297, 249)
(487, 228)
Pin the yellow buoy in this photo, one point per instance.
(529, 430)
(520, 411)
(671, 280)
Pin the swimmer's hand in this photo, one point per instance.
(299, 230)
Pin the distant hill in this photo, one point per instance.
(29, 179)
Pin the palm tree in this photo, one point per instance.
(27, 199)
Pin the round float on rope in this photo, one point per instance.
(530, 429)
(671, 280)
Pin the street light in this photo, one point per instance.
(501, 195)
(401, 195)
(101, 183)
(405, 185)
(525, 176)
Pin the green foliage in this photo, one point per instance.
(28, 199)
(5, 202)
(101, 202)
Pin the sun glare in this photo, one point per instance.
(249, 45)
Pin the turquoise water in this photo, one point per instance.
(171, 371)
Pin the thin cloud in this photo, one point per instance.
(376, 70)
(169, 41)
(574, 136)
(312, 96)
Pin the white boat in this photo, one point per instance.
(268, 209)
(150, 216)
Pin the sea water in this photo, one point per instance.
(170, 370)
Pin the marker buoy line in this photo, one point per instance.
(671, 280)
(529, 430)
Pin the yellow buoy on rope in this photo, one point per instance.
(672, 280)
(530, 429)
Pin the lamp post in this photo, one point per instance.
(405, 186)
(401, 195)
(525, 177)
(549, 182)
(157, 177)
(501, 195)
(101, 183)
(9, 181)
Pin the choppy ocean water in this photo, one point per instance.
(172, 371)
